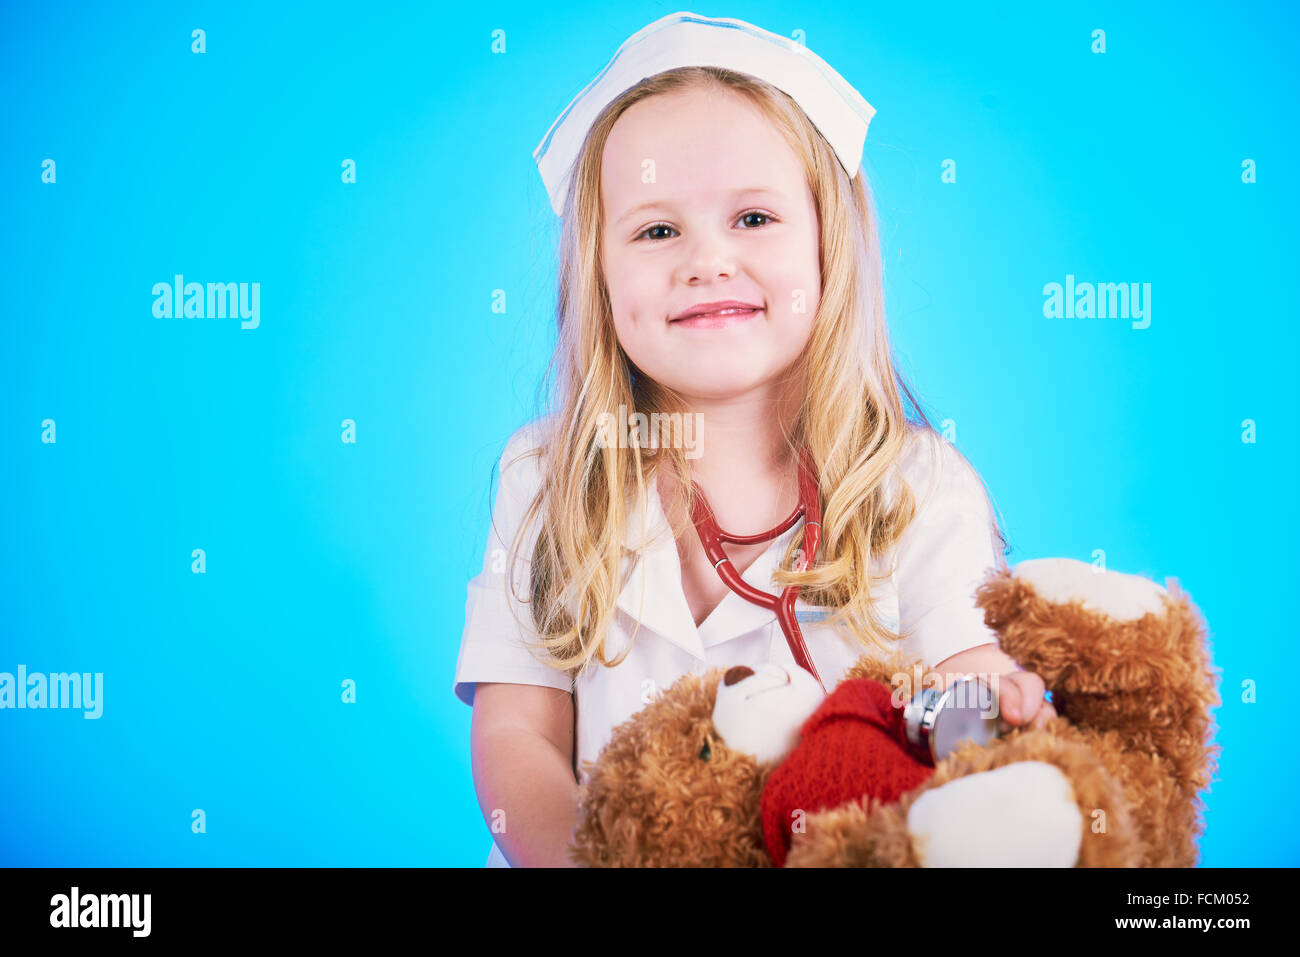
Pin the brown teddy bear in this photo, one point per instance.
(1114, 780)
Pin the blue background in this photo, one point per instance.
(328, 561)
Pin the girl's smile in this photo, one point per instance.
(717, 320)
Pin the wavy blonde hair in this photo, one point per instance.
(851, 418)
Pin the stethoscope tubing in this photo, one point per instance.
(712, 538)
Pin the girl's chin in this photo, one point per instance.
(709, 372)
(706, 386)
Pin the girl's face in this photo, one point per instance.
(704, 202)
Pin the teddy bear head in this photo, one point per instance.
(680, 783)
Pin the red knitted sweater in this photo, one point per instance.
(852, 746)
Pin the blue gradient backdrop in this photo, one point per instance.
(329, 561)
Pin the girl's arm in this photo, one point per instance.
(521, 743)
(984, 659)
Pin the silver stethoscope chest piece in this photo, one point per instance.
(938, 720)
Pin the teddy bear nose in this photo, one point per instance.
(738, 673)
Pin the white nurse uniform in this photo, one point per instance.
(932, 575)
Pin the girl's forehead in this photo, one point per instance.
(695, 163)
(694, 117)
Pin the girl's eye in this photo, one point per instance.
(753, 212)
(650, 229)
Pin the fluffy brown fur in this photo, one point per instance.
(667, 791)
(1132, 736)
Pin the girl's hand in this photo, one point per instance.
(1021, 702)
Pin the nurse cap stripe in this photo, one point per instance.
(687, 39)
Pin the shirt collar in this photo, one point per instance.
(653, 592)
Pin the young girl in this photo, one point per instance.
(719, 266)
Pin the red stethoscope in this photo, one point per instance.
(712, 537)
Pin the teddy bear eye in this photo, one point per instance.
(704, 752)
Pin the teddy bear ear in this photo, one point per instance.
(1062, 581)
(1089, 631)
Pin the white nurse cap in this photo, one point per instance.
(687, 39)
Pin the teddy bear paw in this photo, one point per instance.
(1019, 815)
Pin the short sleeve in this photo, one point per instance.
(944, 554)
(492, 646)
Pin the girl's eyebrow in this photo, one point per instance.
(663, 204)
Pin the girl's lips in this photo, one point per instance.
(717, 320)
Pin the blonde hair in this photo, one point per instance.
(851, 418)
